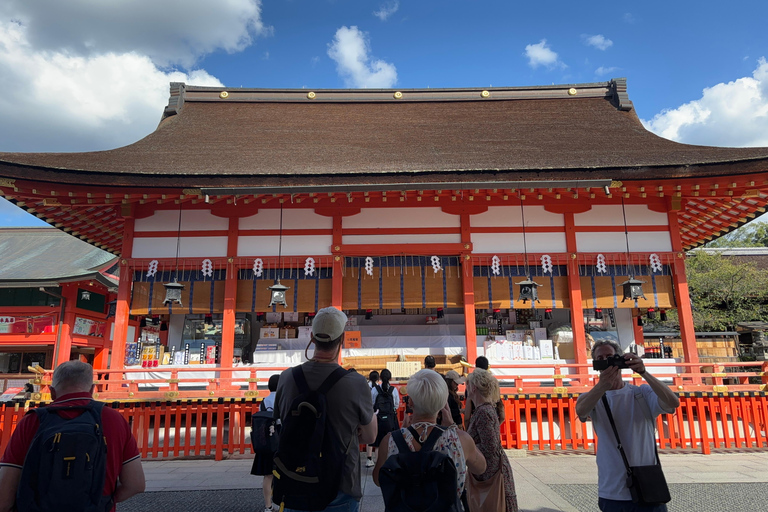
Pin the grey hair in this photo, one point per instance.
(599, 343)
(73, 376)
(428, 392)
(485, 383)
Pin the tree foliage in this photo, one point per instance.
(725, 292)
(754, 234)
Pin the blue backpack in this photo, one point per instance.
(66, 463)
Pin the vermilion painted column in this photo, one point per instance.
(468, 290)
(337, 283)
(100, 358)
(230, 299)
(63, 347)
(574, 294)
(684, 312)
(122, 310)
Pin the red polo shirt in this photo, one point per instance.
(121, 446)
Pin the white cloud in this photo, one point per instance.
(602, 70)
(351, 51)
(386, 10)
(629, 18)
(541, 55)
(727, 114)
(83, 75)
(170, 32)
(598, 41)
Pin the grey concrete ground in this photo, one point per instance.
(734, 481)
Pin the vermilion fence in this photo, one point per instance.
(213, 427)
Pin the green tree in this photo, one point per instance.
(725, 292)
(754, 234)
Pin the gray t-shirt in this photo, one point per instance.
(349, 407)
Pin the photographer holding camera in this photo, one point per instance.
(634, 411)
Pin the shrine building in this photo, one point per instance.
(419, 212)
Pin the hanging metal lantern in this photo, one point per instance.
(173, 292)
(111, 308)
(633, 289)
(528, 290)
(278, 294)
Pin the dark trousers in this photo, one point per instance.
(607, 505)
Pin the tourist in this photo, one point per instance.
(429, 363)
(263, 462)
(453, 380)
(428, 395)
(386, 401)
(373, 380)
(492, 490)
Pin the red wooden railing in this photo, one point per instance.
(704, 421)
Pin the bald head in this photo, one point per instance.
(72, 377)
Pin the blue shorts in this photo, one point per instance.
(341, 503)
(607, 505)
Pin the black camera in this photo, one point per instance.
(616, 360)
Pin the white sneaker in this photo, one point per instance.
(369, 463)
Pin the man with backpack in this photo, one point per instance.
(326, 413)
(75, 454)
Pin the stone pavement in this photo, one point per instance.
(546, 482)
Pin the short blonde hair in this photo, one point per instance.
(485, 383)
(428, 392)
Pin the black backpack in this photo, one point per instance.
(265, 432)
(66, 463)
(385, 402)
(422, 481)
(310, 459)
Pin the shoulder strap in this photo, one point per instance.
(616, 433)
(402, 446)
(390, 391)
(429, 444)
(300, 379)
(378, 389)
(331, 380)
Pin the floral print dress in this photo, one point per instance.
(484, 429)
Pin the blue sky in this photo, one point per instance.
(82, 75)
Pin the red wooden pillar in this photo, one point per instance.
(230, 299)
(123, 309)
(468, 290)
(100, 358)
(574, 294)
(680, 282)
(337, 284)
(63, 346)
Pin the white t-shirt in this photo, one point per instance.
(637, 433)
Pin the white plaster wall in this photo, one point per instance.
(292, 219)
(292, 245)
(190, 247)
(168, 220)
(513, 242)
(642, 241)
(502, 216)
(401, 218)
(612, 215)
(401, 239)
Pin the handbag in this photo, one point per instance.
(486, 495)
(646, 484)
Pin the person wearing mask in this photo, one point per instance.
(373, 381)
(496, 481)
(428, 395)
(386, 401)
